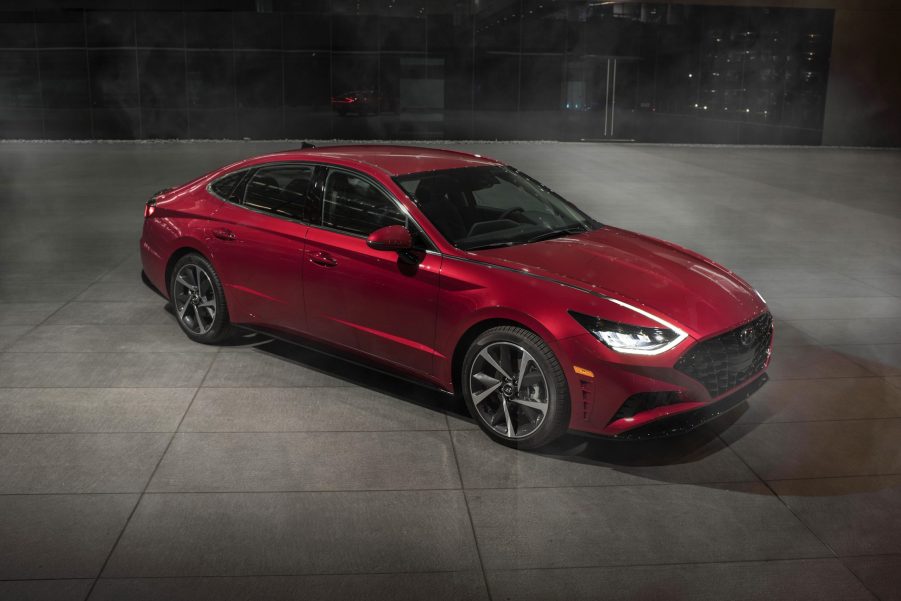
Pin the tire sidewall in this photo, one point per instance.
(558, 393)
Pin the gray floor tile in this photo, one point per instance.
(10, 334)
(78, 463)
(485, 464)
(59, 536)
(889, 283)
(92, 409)
(820, 579)
(843, 332)
(50, 290)
(624, 525)
(127, 291)
(305, 410)
(129, 270)
(26, 314)
(109, 338)
(251, 368)
(79, 313)
(296, 533)
(26, 269)
(460, 422)
(854, 516)
(882, 359)
(824, 399)
(45, 590)
(307, 461)
(444, 586)
(835, 308)
(819, 449)
(806, 362)
(882, 575)
(84, 370)
(785, 334)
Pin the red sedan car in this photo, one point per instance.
(464, 273)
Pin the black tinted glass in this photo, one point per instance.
(481, 207)
(281, 190)
(354, 205)
(225, 187)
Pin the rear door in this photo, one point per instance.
(368, 300)
(257, 240)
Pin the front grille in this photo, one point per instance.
(729, 359)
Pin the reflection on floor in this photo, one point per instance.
(135, 464)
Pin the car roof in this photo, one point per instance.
(393, 160)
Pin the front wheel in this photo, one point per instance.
(515, 388)
(198, 300)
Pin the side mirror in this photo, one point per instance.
(390, 237)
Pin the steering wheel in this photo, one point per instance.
(509, 212)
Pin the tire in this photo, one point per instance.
(202, 317)
(537, 409)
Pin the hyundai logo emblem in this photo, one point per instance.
(747, 336)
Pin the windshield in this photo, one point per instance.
(486, 207)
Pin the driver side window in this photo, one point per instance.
(353, 205)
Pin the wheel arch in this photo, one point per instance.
(176, 255)
(486, 322)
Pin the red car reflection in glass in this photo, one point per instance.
(466, 274)
(361, 102)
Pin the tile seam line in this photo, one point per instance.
(798, 518)
(159, 462)
(497, 570)
(472, 526)
(249, 575)
(474, 489)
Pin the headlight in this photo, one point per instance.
(626, 338)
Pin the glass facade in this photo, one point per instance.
(416, 69)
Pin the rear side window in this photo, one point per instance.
(226, 187)
(282, 190)
(353, 205)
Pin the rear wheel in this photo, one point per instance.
(198, 300)
(515, 388)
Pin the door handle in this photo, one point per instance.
(323, 258)
(224, 234)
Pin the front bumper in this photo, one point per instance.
(628, 396)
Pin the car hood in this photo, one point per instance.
(672, 282)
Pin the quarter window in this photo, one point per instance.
(282, 190)
(353, 205)
(227, 188)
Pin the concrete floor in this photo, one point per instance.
(137, 465)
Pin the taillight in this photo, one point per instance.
(150, 208)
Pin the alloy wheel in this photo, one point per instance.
(195, 298)
(508, 389)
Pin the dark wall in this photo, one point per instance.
(417, 69)
(863, 105)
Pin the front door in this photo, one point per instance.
(372, 301)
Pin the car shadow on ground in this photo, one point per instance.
(617, 454)
(660, 459)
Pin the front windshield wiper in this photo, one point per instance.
(492, 245)
(573, 229)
